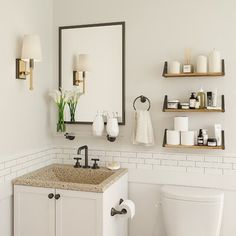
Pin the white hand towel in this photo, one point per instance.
(143, 131)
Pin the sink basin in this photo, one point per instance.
(67, 177)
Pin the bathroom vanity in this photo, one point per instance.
(60, 200)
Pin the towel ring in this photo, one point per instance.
(143, 99)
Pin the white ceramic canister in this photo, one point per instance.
(201, 64)
(174, 67)
(215, 62)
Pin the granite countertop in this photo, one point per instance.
(61, 176)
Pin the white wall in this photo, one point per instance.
(157, 31)
(24, 119)
(24, 114)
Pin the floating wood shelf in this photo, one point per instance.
(222, 147)
(217, 74)
(165, 109)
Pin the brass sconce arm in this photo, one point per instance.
(21, 71)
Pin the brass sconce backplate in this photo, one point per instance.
(20, 69)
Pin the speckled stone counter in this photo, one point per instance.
(67, 177)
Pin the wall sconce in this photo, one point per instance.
(82, 66)
(31, 52)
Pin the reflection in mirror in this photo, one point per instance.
(92, 59)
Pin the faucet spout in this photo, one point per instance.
(85, 148)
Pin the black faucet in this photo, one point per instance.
(85, 147)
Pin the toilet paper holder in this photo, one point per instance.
(116, 212)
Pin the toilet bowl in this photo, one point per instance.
(189, 211)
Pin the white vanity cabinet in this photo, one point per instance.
(68, 213)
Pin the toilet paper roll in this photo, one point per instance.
(173, 137)
(129, 206)
(187, 138)
(174, 67)
(181, 123)
(202, 64)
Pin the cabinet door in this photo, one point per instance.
(78, 213)
(34, 211)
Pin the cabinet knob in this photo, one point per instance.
(50, 195)
(57, 196)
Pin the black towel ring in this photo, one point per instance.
(143, 99)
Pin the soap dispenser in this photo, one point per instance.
(202, 98)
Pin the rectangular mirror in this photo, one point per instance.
(92, 59)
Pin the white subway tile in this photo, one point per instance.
(97, 153)
(214, 165)
(136, 160)
(22, 159)
(195, 170)
(230, 159)
(174, 157)
(195, 158)
(213, 159)
(158, 155)
(70, 151)
(16, 168)
(187, 163)
(63, 156)
(144, 166)
(129, 154)
(10, 177)
(5, 172)
(229, 172)
(153, 161)
(170, 168)
(121, 159)
(169, 163)
(212, 171)
(107, 158)
(10, 163)
(234, 166)
(58, 150)
(128, 165)
(144, 155)
(112, 153)
(68, 161)
(2, 166)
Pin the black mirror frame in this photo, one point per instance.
(122, 23)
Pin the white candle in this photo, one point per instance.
(215, 61)
(202, 64)
(174, 67)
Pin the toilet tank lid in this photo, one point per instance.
(192, 194)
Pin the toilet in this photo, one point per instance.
(190, 211)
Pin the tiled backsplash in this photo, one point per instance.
(202, 164)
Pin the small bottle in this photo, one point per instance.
(202, 98)
(200, 140)
(197, 103)
(205, 136)
(192, 101)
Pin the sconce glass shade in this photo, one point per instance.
(31, 48)
(83, 62)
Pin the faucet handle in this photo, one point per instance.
(95, 164)
(77, 164)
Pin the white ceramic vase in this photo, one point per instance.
(98, 125)
(112, 127)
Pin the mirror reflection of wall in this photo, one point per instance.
(92, 59)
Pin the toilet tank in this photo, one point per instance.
(189, 211)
